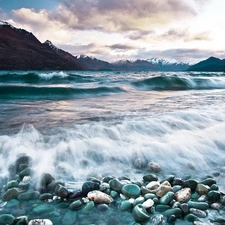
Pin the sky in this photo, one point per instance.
(185, 30)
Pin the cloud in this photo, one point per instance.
(117, 15)
(120, 47)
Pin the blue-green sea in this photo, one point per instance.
(73, 123)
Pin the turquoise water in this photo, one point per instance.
(73, 123)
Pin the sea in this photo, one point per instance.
(74, 124)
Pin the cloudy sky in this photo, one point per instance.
(185, 30)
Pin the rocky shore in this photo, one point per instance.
(26, 200)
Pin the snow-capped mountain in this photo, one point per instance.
(154, 64)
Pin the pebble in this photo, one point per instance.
(155, 167)
(99, 197)
(183, 195)
(199, 213)
(131, 190)
(153, 185)
(163, 189)
(202, 189)
(40, 222)
(6, 219)
(69, 218)
(140, 214)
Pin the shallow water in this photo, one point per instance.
(76, 123)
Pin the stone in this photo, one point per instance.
(22, 159)
(26, 172)
(155, 167)
(202, 189)
(149, 196)
(75, 205)
(162, 208)
(10, 194)
(183, 195)
(125, 205)
(191, 183)
(29, 195)
(216, 206)
(171, 218)
(198, 205)
(208, 181)
(214, 196)
(69, 218)
(191, 217)
(177, 181)
(115, 185)
(88, 207)
(61, 191)
(6, 219)
(163, 189)
(203, 198)
(102, 207)
(157, 220)
(153, 185)
(113, 194)
(46, 196)
(40, 222)
(131, 190)
(148, 203)
(165, 199)
(12, 203)
(89, 186)
(99, 197)
(43, 208)
(138, 200)
(214, 187)
(176, 211)
(11, 184)
(184, 207)
(140, 214)
(21, 220)
(199, 213)
(150, 177)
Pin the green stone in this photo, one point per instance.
(138, 200)
(125, 206)
(208, 181)
(44, 208)
(6, 219)
(69, 218)
(115, 184)
(150, 177)
(29, 195)
(131, 190)
(198, 205)
(113, 194)
(166, 198)
(162, 208)
(46, 196)
(11, 184)
(176, 211)
(190, 217)
(88, 207)
(12, 203)
(140, 213)
(26, 172)
(10, 194)
(75, 205)
(149, 196)
(191, 183)
(214, 196)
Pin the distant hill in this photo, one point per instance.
(211, 64)
(21, 50)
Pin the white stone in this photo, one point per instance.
(99, 197)
(183, 195)
(148, 203)
(40, 222)
(153, 185)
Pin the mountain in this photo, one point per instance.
(21, 50)
(152, 64)
(211, 64)
(91, 63)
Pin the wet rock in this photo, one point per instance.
(40, 222)
(61, 191)
(202, 189)
(191, 183)
(12, 203)
(89, 186)
(69, 218)
(43, 208)
(10, 194)
(29, 195)
(163, 189)
(198, 205)
(148, 203)
(177, 181)
(208, 181)
(153, 185)
(150, 177)
(157, 219)
(165, 199)
(199, 213)
(214, 187)
(131, 190)
(184, 207)
(171, 219)
(102, 207)
(155, 167)
(162, 208)
(125, 205)
(214, 196)
(216, 206)
(6, 219)
(99, 197)
(139, 163)
(46, 179)
(21, 220)
(11, 184)
(26, 172)
(140, 214)
(138, 200)
(46, 196)
(176, 211)
(75, 205)
(183, 195)
(191, 217)
(115, 184)
(88, 207)
(22, 160)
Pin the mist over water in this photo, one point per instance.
(180, 125)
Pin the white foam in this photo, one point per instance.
(48, 76)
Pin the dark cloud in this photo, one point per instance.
(120, 47)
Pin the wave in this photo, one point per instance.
(53, 92)
(163, 82)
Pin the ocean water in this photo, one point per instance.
(75, 123)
